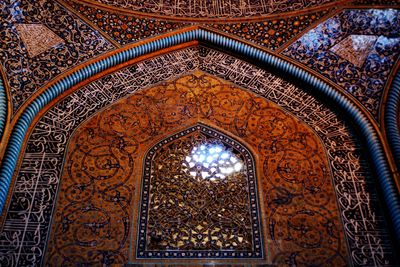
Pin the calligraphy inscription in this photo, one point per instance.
(105, 157)
(25, 231)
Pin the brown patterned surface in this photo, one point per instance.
(377, 2)
(124, 28)
(216, 9)
(99, 189)
(272, 33)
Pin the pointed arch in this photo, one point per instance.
(106, 153)
(365, 126)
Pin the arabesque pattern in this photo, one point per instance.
(26, 75)
(124, 28)
(365, 226)
(104, 164)
(366, 81)
(271, 33)
(218, 9)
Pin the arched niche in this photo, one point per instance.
(97, 208)
(199, 198)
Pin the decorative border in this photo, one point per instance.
(256, 253)
(392, 114)
(374, 146)
(127, 11)
(3, 107)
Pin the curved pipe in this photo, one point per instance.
(392, 114)
(374, 146)
(3, 107)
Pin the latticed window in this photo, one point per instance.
(199, 198)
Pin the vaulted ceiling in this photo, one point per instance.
(309, 89)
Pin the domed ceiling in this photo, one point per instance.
(90, 88)
(207, 9)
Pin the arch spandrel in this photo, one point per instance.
(100, 184)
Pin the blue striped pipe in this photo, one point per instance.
(383, 174)
(3, 107)
(392, 113)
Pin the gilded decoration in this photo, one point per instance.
(95, 218)
(272, 33)
(123, 28)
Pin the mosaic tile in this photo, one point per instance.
(365, 83)
(363, 223)
(271, 33)
(377, 2)
(124, 28)
(27, 74)
(132, 120)
(289, 155)
(37, 38)
(355, 48)
(218, 9)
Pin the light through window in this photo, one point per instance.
(199, 198)
(211, 161)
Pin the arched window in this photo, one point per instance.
(199, 198)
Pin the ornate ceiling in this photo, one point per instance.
(219, 9)
(104, 103)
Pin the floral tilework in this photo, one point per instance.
(271, 33)
(27, 72)
(124, 28)
(216, 9)
(365, 83)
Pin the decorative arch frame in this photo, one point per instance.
(252, 187)
(367, 129)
